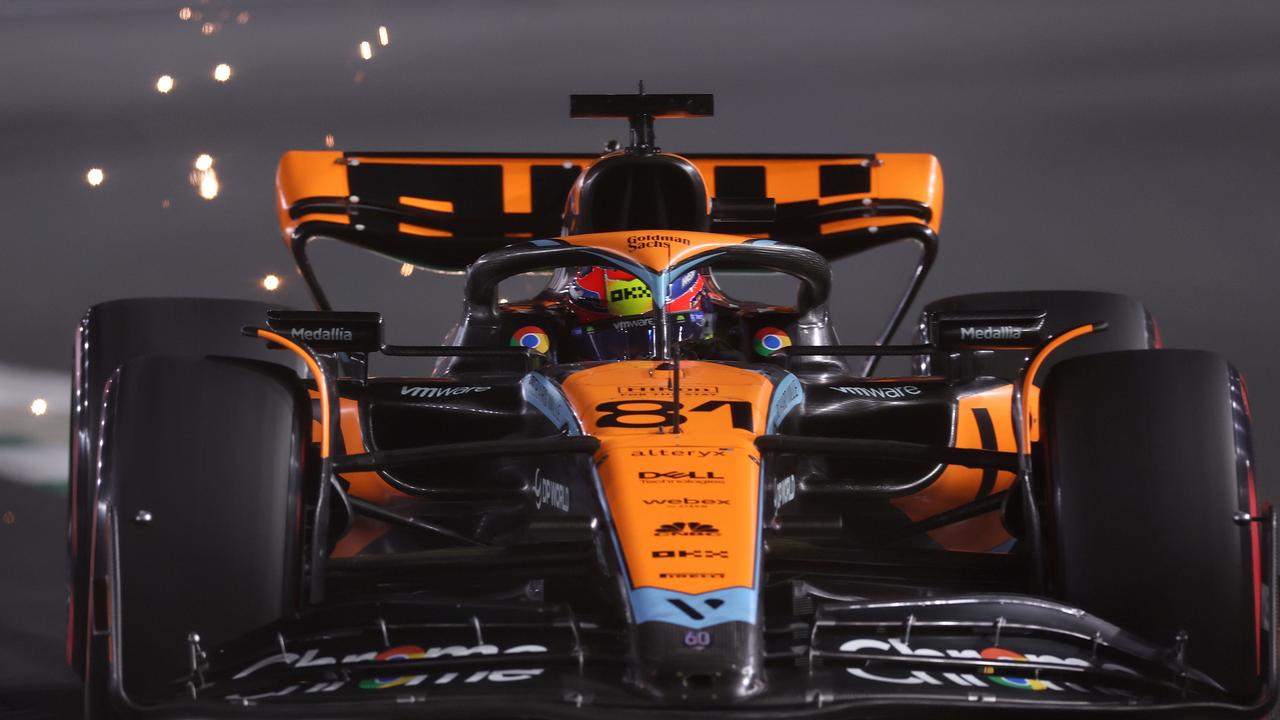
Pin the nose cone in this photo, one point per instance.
(685, 511)
(715, 665)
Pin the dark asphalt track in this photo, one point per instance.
(1126, 146)
(34, 676)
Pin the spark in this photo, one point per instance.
(243, 18)
(204, 161)
(208, 184)
(95, 176)
(366, 50)
(209, 28)
(406, 269)
(184, 13)
(164, 84)
(383, 38)
(222, 72)
(165, 203)
(39, 406)
(271, 282)
(328, 140)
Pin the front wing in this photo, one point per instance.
(978, 654)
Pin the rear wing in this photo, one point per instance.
(443, 210)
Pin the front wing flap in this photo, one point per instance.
(989, 654)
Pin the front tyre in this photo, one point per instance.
(198, 518)
(109, 335)
(1149, 468)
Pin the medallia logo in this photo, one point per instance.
(1003, 332)
(334, 334)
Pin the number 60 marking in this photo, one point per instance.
(697, 639)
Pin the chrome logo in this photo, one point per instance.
(403, 652)
(1010, 682)
(533, 338)
(770, 340)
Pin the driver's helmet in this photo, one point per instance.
(613, 312)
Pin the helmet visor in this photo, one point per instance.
(634, 338)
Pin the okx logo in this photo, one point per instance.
(689, 528)
(701, 554)
(629, 293)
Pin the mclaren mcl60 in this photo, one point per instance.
(634, 494)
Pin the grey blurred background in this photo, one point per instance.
(1101, 144)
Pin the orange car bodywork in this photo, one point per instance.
(708, 474)
(627, 452)
(308, 175)
(686, 506)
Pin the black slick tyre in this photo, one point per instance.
(198, 518)
(109, 334)
(1149, 471)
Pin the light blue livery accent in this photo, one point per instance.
(787, 396)
(699, 611)
(547, 398)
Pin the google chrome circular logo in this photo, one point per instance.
(770, 340)
(1010, 682)
(404, 652)
(533, 338)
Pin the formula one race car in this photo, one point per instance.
(635, 494)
